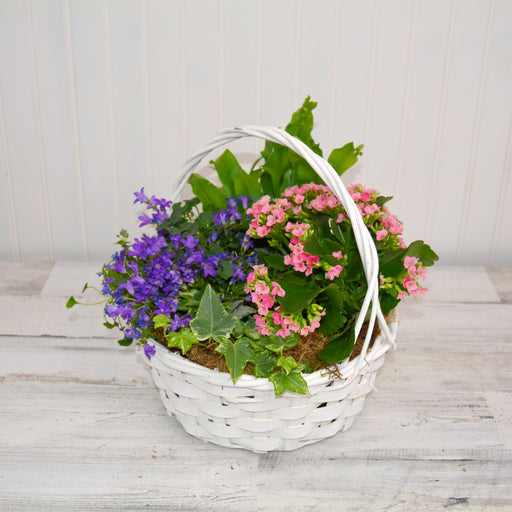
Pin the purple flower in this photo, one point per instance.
(245, 201)
(140, 197)
(190, 242)
(209, 267)
(149, 350)
(221, 218)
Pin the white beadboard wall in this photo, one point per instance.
(99, 98)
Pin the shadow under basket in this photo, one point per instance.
(247, 414)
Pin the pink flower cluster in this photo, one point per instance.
(365, 199)
(415, 271)
(263, 293)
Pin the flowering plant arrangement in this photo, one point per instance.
(261, 274)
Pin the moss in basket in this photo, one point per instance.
(261, 274)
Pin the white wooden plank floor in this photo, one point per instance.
(82, 427)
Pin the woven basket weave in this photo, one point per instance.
(248, 414)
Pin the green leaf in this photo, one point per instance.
(71, 302)
(301, 124)
(237, 355)
(421, 250)
(278, 344)
(333, 321)
(125, 342)
(211, 320)
(273, 260)
(226, 270)
(293, 381)
(391, 264)
(228, 169)
(161, 321)
(248, 185)
(344, 158)
(298, 293)
(183, 339)
(382, 200)
(238, 330)
(288, 364)
(264, 362)
(108, 325)
(240, 309)
(211, 196)
(339, 348)
(388, 303)
(86, 285)
(251, 330)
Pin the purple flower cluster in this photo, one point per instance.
(149, 275)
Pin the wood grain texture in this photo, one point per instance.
(82, 427)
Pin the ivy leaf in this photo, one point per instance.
(211, 320)
(108, 325)
(161, 321)
(237, 355)
(344, 158)
(264, 362)
(293, 381)
(71, 302)
(125, 342)
(288, 364)
(183, 339)
(278, 344)
(210, 196)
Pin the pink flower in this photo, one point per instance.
(340, 218)
(277, 289)
(337, 255)
(333, 272)
(402, 295)
(381, 234)
(409, 260)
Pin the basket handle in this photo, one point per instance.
(365, 244)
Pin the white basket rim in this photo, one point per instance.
(320, 377)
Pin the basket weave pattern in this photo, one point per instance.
(248, 414)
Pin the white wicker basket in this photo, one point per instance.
(247, 414)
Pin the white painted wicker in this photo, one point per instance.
(247, 414)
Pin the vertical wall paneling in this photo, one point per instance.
(278, 52)
(166, 90)
(54, 128)
(19, 114)
(484, 204)
(74, 131)
(475, 135)
(370, 90)
(469, 36)
(94, 108)
(9, 250)
(352, 79)
(111, 117)
(425, 111)
(145, 93)
(317, 47)
(240, 72)
(333, 73)
(128, 89)
(38, 129)
(101, 97)
(501, 245)
(405, 114)
(259, 59)
(202, 71)
(387, 105)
